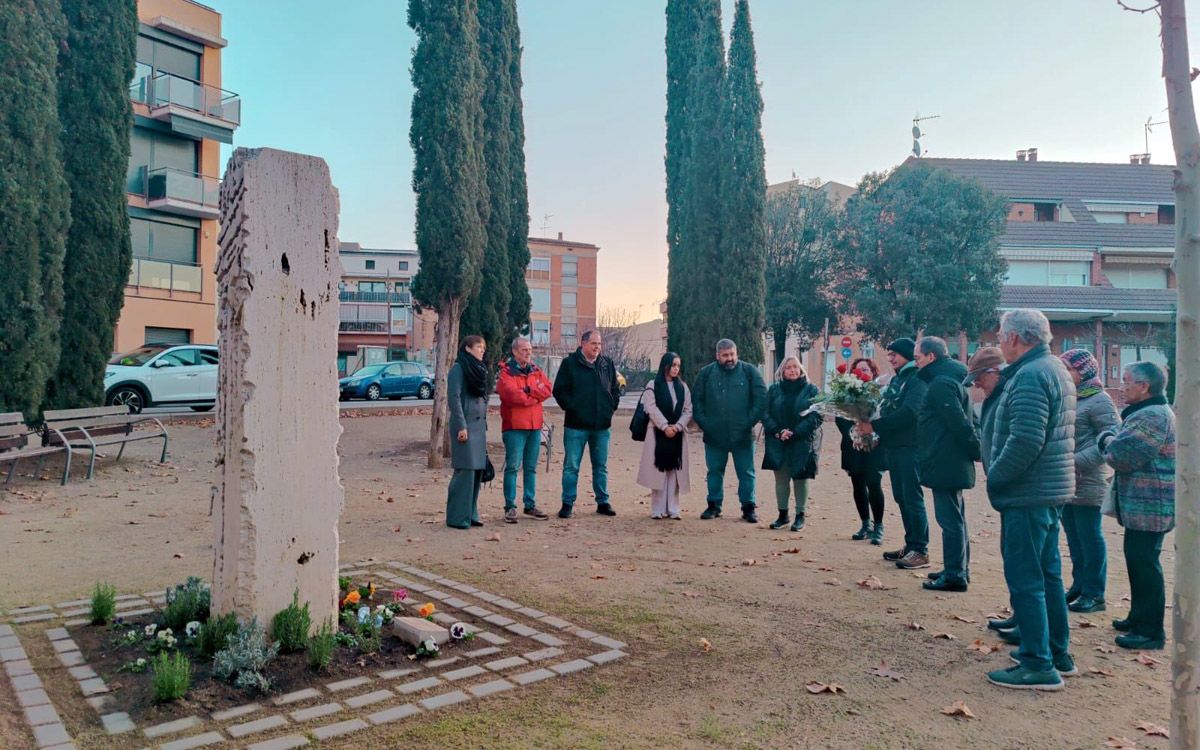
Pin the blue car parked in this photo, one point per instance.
(388, 380)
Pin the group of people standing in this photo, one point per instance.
(1047, 434)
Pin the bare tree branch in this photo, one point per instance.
(1153, 7)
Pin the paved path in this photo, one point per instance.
(628, 401)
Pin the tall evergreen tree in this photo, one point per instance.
(34, 202)
(506, 254)
(743, 257)
(449, 177)
(695, 84)
(95, 65)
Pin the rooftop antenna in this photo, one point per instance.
(916, 133)
(546, 222)
(1149, 126)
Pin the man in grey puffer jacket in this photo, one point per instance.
(1028, 441)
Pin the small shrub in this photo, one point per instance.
(290, 626)
(244, 657)
(172, 676)
(344, 583)
(366, 629)
(321, 646)
(187, 602)
(214, 633)
(104, 604)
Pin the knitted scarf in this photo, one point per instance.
(475, 373)
(668, 451)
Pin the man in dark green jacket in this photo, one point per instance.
(728, 399)
(1028, 438)
(947, 448)
(897, 430)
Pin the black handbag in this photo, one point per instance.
(639, 424)
(489, 471)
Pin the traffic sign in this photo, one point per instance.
(846, 342)
(847, 353)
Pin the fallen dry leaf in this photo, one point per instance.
(792, 551)
(982, 647)
(691, 594)
(415, 539)
(960, 618)
(832, 582)
(873, 583)
(1154, 730)
(883, 670)
(825, 569)
(705, 645)
(599, 578)
(1106, 649)
(749, 562)
(820, 687)
(1099, 671)
(596, 566)
(493, 537)
(915, 626)
(945, 636)
(497, 570)
(958, 708)
(1147, 660)
(1121, 742)
(177, 556)
(1086, 624)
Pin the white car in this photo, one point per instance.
(161, 375)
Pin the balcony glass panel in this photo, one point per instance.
(139, 90)
(209, 101)
(160, 274)
(175, 184)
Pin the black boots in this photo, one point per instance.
(863, 532)
(798, 524)
(782, 521)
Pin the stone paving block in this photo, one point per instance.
(507, 604)
(39, 715)
(93, 686)
(16, 653)
(299, 695)
(522, 630)
(466, 588)
(438, 663)
(82, 673)
(316, 712)
(118, 723)
(490, 688)
(27, 610)
(139, 612)
(536, 675)
(490, 598)
(417, 686)
(556, 622)
(443, 700)
(509, 663)
(6, 630)
(127, 597)
(131, 604)
(281, 743)
(31, 698)
(422, 573)
(367, 699)
(79, 621)
(395, 674)
(57, 634)
(9, 641)
(330, 731)
(254, 727)
(78, 612)
(172, 727)
(604, 657)
(18, 668)
(65, 645)
(500, 620)
(478, 611)
(236, 712)
(576, 665)
(420, 588)
(491, 638)
(26, 682)
(393, 714)
(73, 603)
(603, 640)
(544, 653)
(50, 734)
(33, 618)
(444, 618)
(456, 603)
(536, 614)
(587, 635)
(353, 682)
(98, 702)
(71, 659)
(477, 653)
(548, 640)
(437, 594)
(196, 740)
(464, 673)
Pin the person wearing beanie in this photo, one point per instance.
(896, 427)
(1094, 413)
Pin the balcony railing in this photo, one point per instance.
(182, 192)
(164, 274)
(161, 90)
(363, 326)
(398, 298)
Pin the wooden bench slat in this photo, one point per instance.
(88, 424)
(12, 418)
(8, 431)
(77, 414)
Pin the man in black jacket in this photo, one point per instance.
(947, 448)
(587, 391)
(897, 430)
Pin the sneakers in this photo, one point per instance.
(537, 513)
(944, 584)
(894, 555)
(913, 560)
(565, 511)
(712, 511)
(605, 509)
(1136, 642)
(748, 514)
(1086, 604)
(1005, 624)
(675, 517)
(798, 524)
(656, 516)
(863, 532)
(510, 515)
(1065, 664)
(782, 521)
(877, 534)
(1020, 678)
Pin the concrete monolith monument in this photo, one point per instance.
(278, 497)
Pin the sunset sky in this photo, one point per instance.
(841, 82)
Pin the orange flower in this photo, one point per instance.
(351, 598)
(426, 609)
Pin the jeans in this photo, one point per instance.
(951, 514)
(1089, 553)
(521, 451)
(906, 489)
(786, 487)
(1146, 593)
(1033, 571)
(715, 459)
(597, 443)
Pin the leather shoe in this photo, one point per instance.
(565, 511)
(944, 584)
(605, 509)
(1005, 624)
(749, 516)
(1087, 604)
(711, 512)
(1139, 642)
(477, 523)
(1122, 625)
(933, 575)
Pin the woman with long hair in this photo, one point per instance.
(865, 465)
(467, 387)
(664, 466)
(792, 437)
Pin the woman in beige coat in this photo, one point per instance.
(664, 466)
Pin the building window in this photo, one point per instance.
(539, 268)
(159, 240)
(404, 265)
(1166, 214)
(168, 58)
(1048, 273)
(370, 265)
(372, 286)
(540, 332)
(1110, 217)
(1087, 345)
(539, 300)
(567, 332)
(570, 271)
(1045, 211)
(1137, 278)
(569, 299)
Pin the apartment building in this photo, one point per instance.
(375, 306)
(181, 115)
(562, 290)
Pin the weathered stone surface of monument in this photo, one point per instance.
(415, 630)
(278, 497)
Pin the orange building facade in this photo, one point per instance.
(562, 288)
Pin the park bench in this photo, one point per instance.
(90, 429)
(18, 440)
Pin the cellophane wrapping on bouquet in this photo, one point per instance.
(854, 397)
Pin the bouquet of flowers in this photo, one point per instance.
(853, 396)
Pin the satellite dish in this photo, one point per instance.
(917, 149)
(916, 132)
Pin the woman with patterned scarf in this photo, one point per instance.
(1094, 414)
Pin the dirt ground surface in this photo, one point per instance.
(776, 619)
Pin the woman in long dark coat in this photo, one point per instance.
(865, 469)
(467, 392)
(791, 438)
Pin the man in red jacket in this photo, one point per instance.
(522, 387)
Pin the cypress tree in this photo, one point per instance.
(95, 65)
(518, 191)
(743, 257)
(449, 178)
(679, 43)
(34, 202)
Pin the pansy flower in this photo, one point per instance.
(458, 631)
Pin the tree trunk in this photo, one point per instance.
(446, 344)
(1185, 664)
